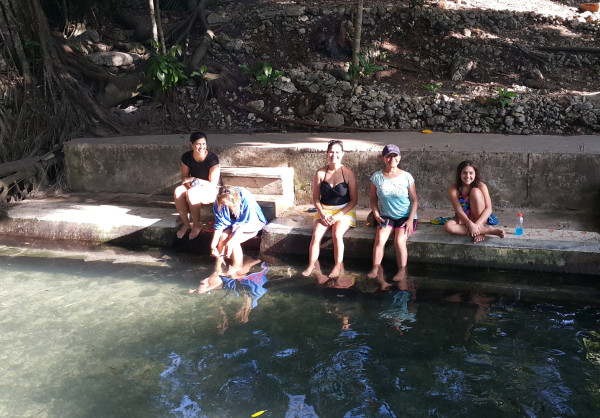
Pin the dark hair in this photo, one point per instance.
(460, 168)
(335, 142)
(196, 136)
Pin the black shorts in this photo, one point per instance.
(396, 223)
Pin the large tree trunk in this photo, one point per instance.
(357, 31)
(45, 102)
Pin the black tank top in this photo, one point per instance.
(335, 196)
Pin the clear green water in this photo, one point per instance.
(100, 339)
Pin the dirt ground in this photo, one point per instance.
(540, 54)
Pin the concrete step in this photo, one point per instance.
(272, 187)
(553, 242)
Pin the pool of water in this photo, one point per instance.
(108, 337)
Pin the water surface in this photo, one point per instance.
(112, 338)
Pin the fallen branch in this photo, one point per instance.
(570, 48)
(535, 55)
(15, 172)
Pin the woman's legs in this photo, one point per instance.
(401, 250)
(234, 245)
(381, 238)
(452, 226)
(337, 233)
(193, 197)
(181, 204)
(315, 243)
(477, 206)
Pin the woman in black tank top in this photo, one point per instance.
(335, 196)
(200, 176)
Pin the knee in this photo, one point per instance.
(401, 238)
(475, 194)
(179, 191)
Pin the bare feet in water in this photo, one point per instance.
(310, 268)
(337, 270)
(195, 232)
(373, 273)
(183, 230)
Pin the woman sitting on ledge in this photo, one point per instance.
(200, 174)
(335, 196)
(238, 218)
(472, 203)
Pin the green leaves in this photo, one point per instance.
(166, 69)
(264, 74)
(363, 69)
(433, 87)
(505, 96)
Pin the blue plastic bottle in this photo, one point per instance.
(519, 228)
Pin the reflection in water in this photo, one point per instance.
(131, 341)
(252, 286)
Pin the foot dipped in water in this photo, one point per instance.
(337, 270)
(195, 232)
(373, 273)
(310, 268)
(183, 230)
(321, 278)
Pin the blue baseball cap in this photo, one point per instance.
(390, 149)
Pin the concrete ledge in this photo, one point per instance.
(142, 220)
(538, 250)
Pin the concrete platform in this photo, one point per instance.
(554, 181)
(553, 242)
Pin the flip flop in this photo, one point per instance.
(492, 220)
(440, 220)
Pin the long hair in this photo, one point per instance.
(335, 142)
(460, 168)
(230, 197)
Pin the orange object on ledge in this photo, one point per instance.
(589, 7)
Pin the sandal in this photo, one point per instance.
(440, 220)
(493, 220)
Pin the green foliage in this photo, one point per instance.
(200, 73)
(264, 74)
(505, 96)
(433, 87)
(166, 69)
(363, 69)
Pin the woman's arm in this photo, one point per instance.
(414, 202)
(316, 195)
(214, 251)
(374, 203)
(185, 174)
(353, 188)
(214, 174)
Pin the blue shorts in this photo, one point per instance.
(396, 223)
